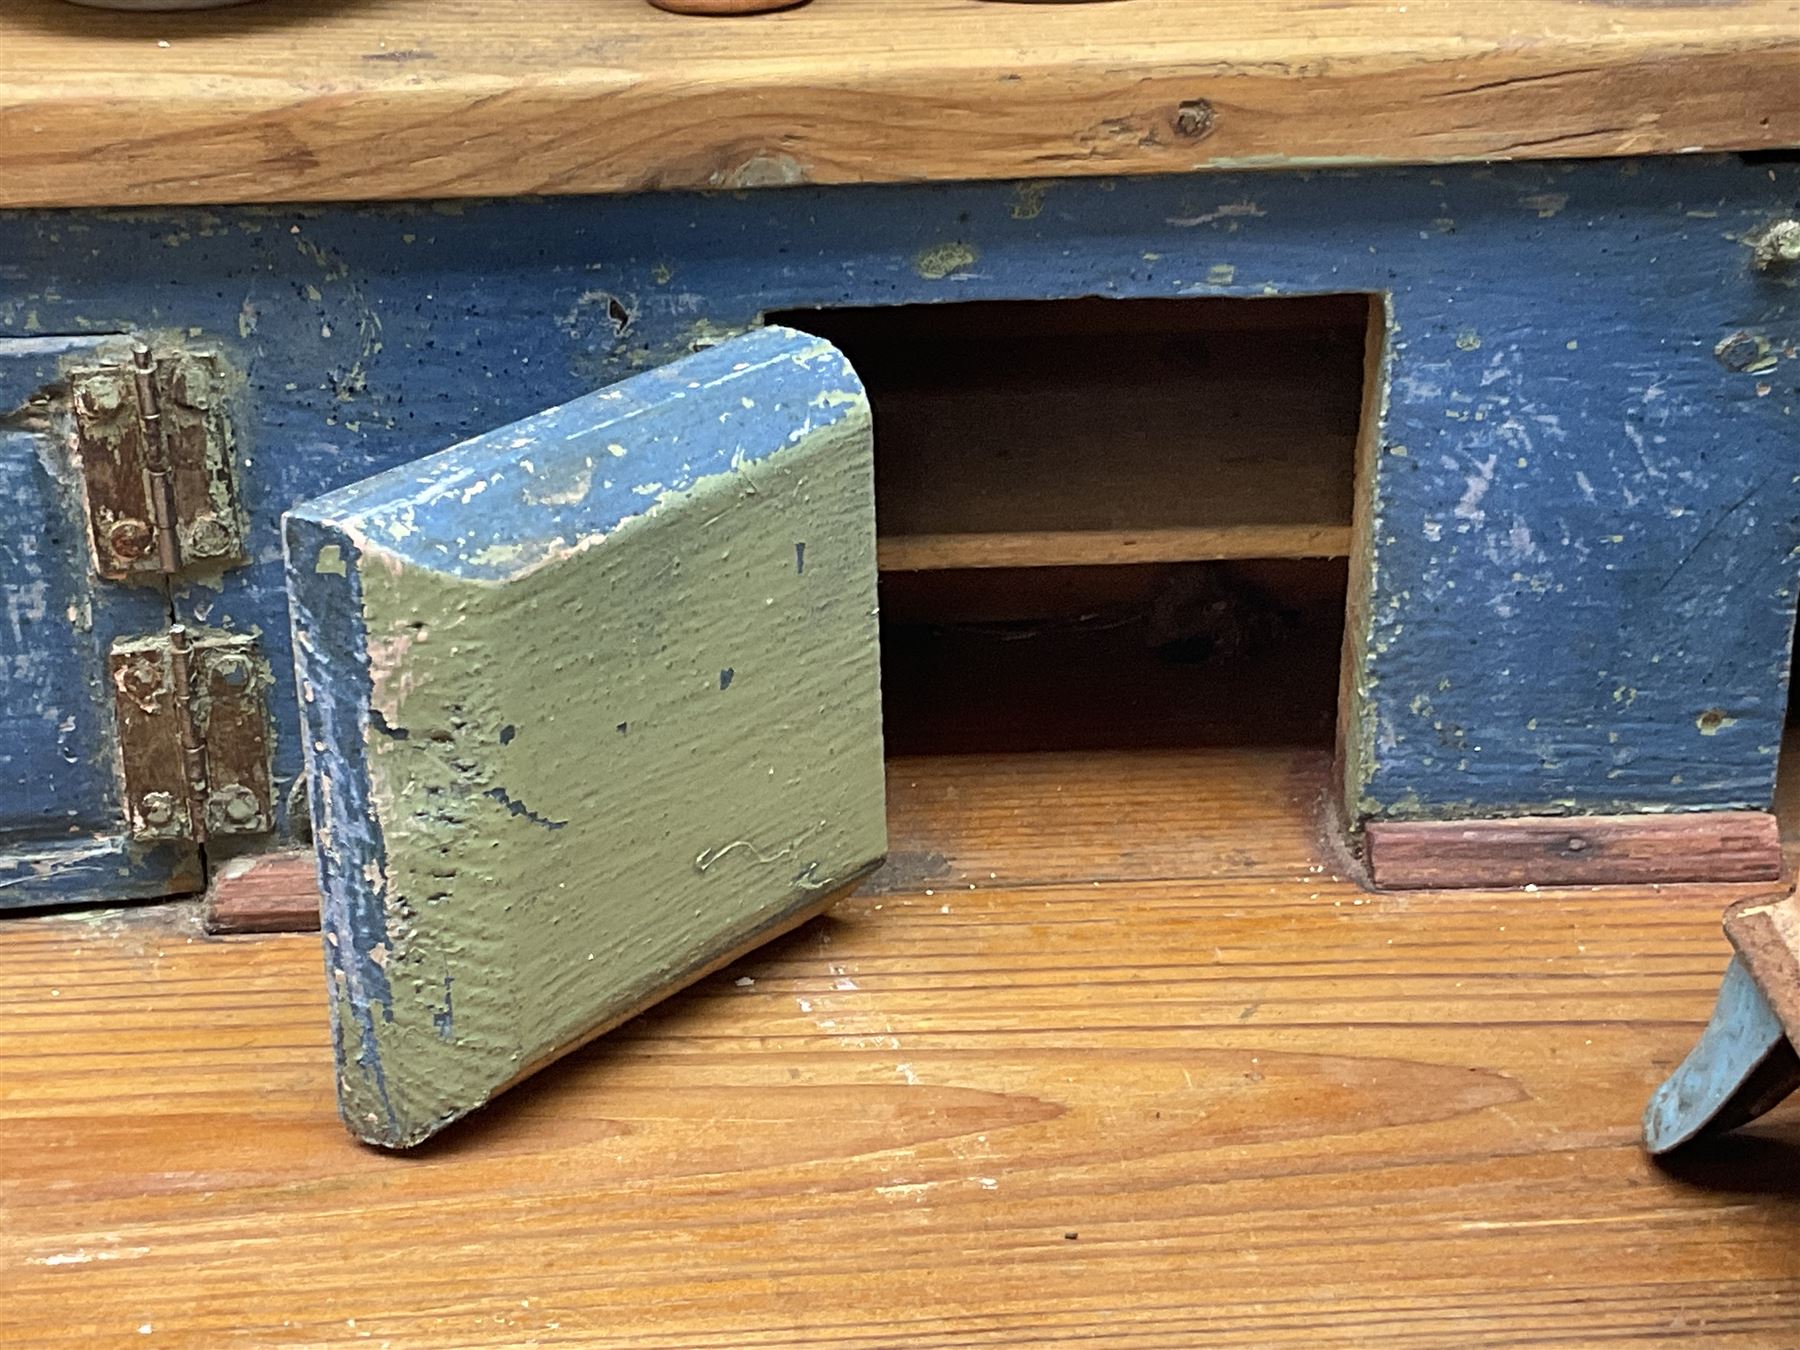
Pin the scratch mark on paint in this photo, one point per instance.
(713, 855)
(1478, 483)
(1228, 211)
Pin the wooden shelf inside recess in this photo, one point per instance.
(1089, 432)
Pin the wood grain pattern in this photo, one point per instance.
(1575, 850)
(1221, 1096)
(264, 893)
(326, 100)
(1766, 936)
(1099, 431)
(1101, 548)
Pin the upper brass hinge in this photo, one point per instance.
(156, 458)
(193, 734)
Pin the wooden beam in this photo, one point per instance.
(1574, 850)
(1094, 548)
(318, 100)
(264, 893)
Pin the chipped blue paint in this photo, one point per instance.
(91, 869)
(615, 457)
(61, 821)
(331, 664)
(1582, 581)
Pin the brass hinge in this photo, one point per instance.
(156, 451)
(193, 734)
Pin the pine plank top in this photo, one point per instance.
(1219, 1097)
(319, 100)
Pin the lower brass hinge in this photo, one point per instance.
(193, 734)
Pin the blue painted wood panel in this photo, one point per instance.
(61, 820)
(1584, 507)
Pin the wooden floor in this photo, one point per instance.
(1115, 1055)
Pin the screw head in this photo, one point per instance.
(144, 681)
(234, 803)
(234, 670)
(130, 539)
(190, 385)
(207, 536)
(157, 809)
(100, 395)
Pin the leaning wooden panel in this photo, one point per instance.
(592, 702)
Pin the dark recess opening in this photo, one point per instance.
(1109, 524)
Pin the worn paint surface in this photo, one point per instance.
(1583, 509)
(580, 719)
(1742, 1067)
(63, 827)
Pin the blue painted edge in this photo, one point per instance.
(445, 513)
(331, 671)
(577, 471)
(89, 870)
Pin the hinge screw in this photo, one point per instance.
(236, 803)
(234, 670)
(101, 396)
(188, 386)
(208, 537)
(157, 809)
(130, 539)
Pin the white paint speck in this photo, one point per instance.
(1476, 486)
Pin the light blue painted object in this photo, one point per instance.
(1585, 506)
(1742, 1067)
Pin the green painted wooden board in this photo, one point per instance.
(592, 704)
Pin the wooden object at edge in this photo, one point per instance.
(1715, 846)
(312, 100)
(279, 892)
(264, 893)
